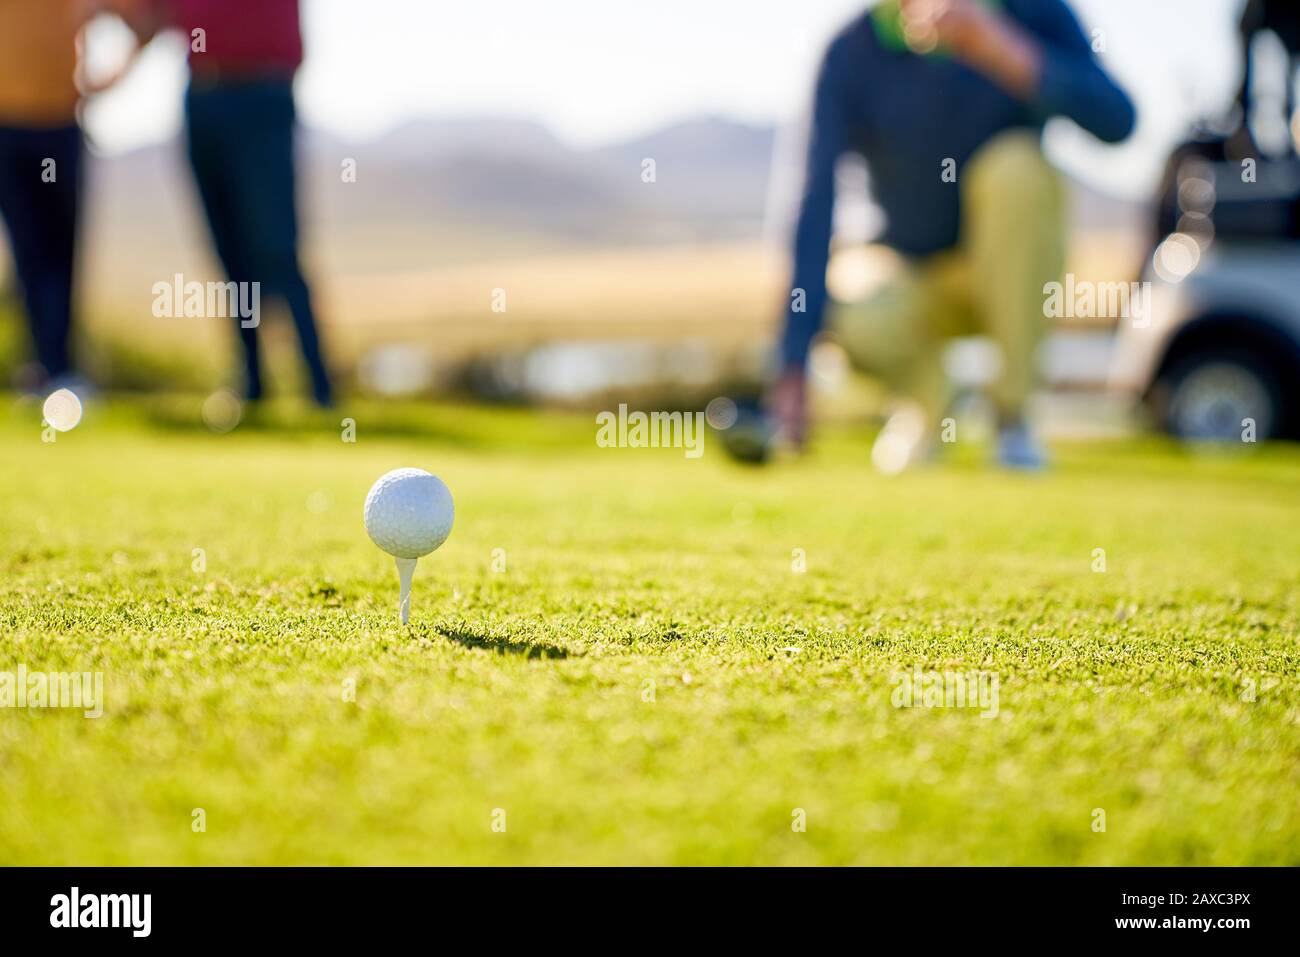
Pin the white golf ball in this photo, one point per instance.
(409, 513)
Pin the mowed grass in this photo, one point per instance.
(648, 680)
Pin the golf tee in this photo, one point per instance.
(406, 569)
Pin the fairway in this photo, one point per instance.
(627, 656)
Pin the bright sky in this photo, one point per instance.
(597, 70)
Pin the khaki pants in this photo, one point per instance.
(1012, 245)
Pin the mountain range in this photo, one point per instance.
(479, 187)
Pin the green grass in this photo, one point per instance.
(526, 689)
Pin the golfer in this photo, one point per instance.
(946, 100)
(240, 125)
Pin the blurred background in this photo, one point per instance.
(500, 146)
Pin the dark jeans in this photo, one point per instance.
(241, 148)
(41, 219)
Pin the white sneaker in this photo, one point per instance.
(904, 442)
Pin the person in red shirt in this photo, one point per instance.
(240, 124)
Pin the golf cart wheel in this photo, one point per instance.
(1214, 395)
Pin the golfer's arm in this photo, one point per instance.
(1075, 86)
(1009, 57)
(1058, 76)
(807, 304)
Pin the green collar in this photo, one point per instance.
(887, 18)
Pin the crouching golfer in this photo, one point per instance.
(946, 100)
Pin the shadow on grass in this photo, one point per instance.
(504, 646)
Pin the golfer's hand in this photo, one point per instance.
(787, 404)
(964, 26)
(981, 37)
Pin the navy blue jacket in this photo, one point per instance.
(906, 114)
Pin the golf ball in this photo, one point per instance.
(409, 513)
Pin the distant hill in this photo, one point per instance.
(434, 193)
(711, 175)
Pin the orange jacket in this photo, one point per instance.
(38, 61)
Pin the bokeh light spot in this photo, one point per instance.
(222, 411)
(62, 410)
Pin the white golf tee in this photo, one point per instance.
(405, 569)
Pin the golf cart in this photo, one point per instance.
(1219, 355)
(1218, 358)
